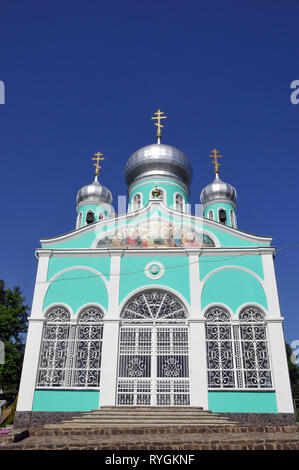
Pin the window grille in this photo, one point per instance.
(70, 355)
(237, 354)
(153, 351)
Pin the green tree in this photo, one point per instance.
(13, 326)
(294, 374)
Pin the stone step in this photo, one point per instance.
(87, 425)
(148, 413)
(144, 408)
(153, 419)
(176, 422)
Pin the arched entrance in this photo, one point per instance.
(153, 366)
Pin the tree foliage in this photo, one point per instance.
(13, 326)
(294, 373)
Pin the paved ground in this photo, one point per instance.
(287, 440)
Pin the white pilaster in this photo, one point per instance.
(41, 285)
(113, 285)
(198, 365)
(30, 365)
(109, 363)
(110, 336)
(280, 371)
(197, 354)
(34, 334)
(195, 286)
(270, 285)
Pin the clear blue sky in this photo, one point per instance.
(83, 76)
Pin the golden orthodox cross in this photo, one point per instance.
(158, 116)
(215, 161)
(97, 156)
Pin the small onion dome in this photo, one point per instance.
(94, 192)
(218, 190)
(158, 160)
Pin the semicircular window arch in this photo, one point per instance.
(154, 304)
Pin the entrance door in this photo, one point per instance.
(153, 365)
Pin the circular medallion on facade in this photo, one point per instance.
(154, 270)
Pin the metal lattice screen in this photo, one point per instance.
(70, 355)
(237, 354)
(153, 351)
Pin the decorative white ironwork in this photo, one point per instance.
(256, 362)
(237, 355)
(154, 361)
(154, 304)
(70, 355)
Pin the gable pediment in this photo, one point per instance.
(155, 226)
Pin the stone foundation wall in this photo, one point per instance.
(262, 419)
(37, 419)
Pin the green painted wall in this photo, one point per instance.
(65, 400)
(253, 263)
(76, 288)
(170, 187)
(220, 205)
(242, 402)
(233, 287)
(96, 208)
(176, 275)
(59, 263)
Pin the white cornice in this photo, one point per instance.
(82, 252)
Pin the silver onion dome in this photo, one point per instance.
(158, 160)
(94, 192)
(218, 190)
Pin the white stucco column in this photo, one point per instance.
(30, 365)
(280, 371)
(197, 340)
(270, 285)
(109, 363)
(110, 336)
(34, 334)
(198, 365)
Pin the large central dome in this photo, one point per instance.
(158, 160)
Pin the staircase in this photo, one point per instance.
(144, 416)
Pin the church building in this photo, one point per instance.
(157, 306)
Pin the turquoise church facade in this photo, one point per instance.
(157, 306)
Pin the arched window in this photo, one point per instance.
(136, 202)
(71, 354)
(154, 304)
(153, 367)
(237, 352)
(222, 216)
(179, 203)
(232, 219)
(79, 223)
(88, 348)
(211, 214)
(90, 217)
(253, 337)
(219, 348)
(53, 362)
